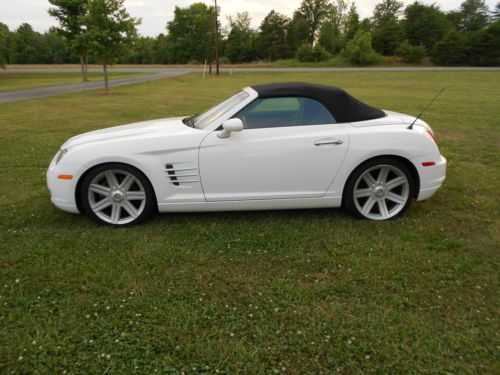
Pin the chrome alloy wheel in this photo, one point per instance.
(381, 192)
(116, 197)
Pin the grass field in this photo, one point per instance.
(22, 81)
(311, 291)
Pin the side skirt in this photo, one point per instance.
(252, 205)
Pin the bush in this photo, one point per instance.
(359, 50)
(306, 53)
(451, 50)
(224, 60)
(320, 53)
(409, 53)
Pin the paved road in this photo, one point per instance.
(13, 96)
(162, 73)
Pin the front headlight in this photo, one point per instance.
(60, 154)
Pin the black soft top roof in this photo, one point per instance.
(342, 106)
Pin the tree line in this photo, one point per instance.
(101, 31)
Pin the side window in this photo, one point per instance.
(285, 111)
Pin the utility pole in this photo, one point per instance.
(216, 39)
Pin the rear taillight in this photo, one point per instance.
(430, 134)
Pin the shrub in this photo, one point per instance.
(224, 60)
(320, 53)
(451, 50)
(306, 53)
(409, 53)
(359, 50)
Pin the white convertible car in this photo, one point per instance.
(275, 146)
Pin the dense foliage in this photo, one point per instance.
(469, 35)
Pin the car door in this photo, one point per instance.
(289, 148)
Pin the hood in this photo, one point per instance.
(170, 126)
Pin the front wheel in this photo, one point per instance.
(379, 189)
(118, 195)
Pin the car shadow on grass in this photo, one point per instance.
(250, 216)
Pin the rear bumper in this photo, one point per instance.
(431, 177)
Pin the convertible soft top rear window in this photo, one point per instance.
(342, 106)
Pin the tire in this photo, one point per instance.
(117, 195)
(379, 189)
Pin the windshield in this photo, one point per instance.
(214, 113)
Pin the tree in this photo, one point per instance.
(110, 31)
(272, 37)
(297, 33)
(57, 50)
(314, 12)
(386, 28)
(26, 46)
(483, 46)
(161, 49)
(473, 15)
(332, 31)
(451, 50)
(190, 34)
(4, 33)
(359, 50)
(352, 22)
(142, 51)
(495, 14)
(424, 24)
(241, 40)
(71, 16)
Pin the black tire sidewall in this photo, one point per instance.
(150, 206)
(348, 196)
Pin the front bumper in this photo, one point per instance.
(431, 177)
(62, 192)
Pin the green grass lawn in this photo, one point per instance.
(22, 81)
(312, 291)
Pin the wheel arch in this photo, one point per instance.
(411, 167)
(84, 174)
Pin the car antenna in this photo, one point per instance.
(425, 109)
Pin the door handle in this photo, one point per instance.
(329, 141)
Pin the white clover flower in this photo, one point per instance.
(18, 281)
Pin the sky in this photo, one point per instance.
(156, 13)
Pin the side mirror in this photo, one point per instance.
(231, 125)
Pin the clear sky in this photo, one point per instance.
(156, 13)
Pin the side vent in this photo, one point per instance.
(179, 176)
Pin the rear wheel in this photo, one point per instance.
(118, 195)
(380, 189)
